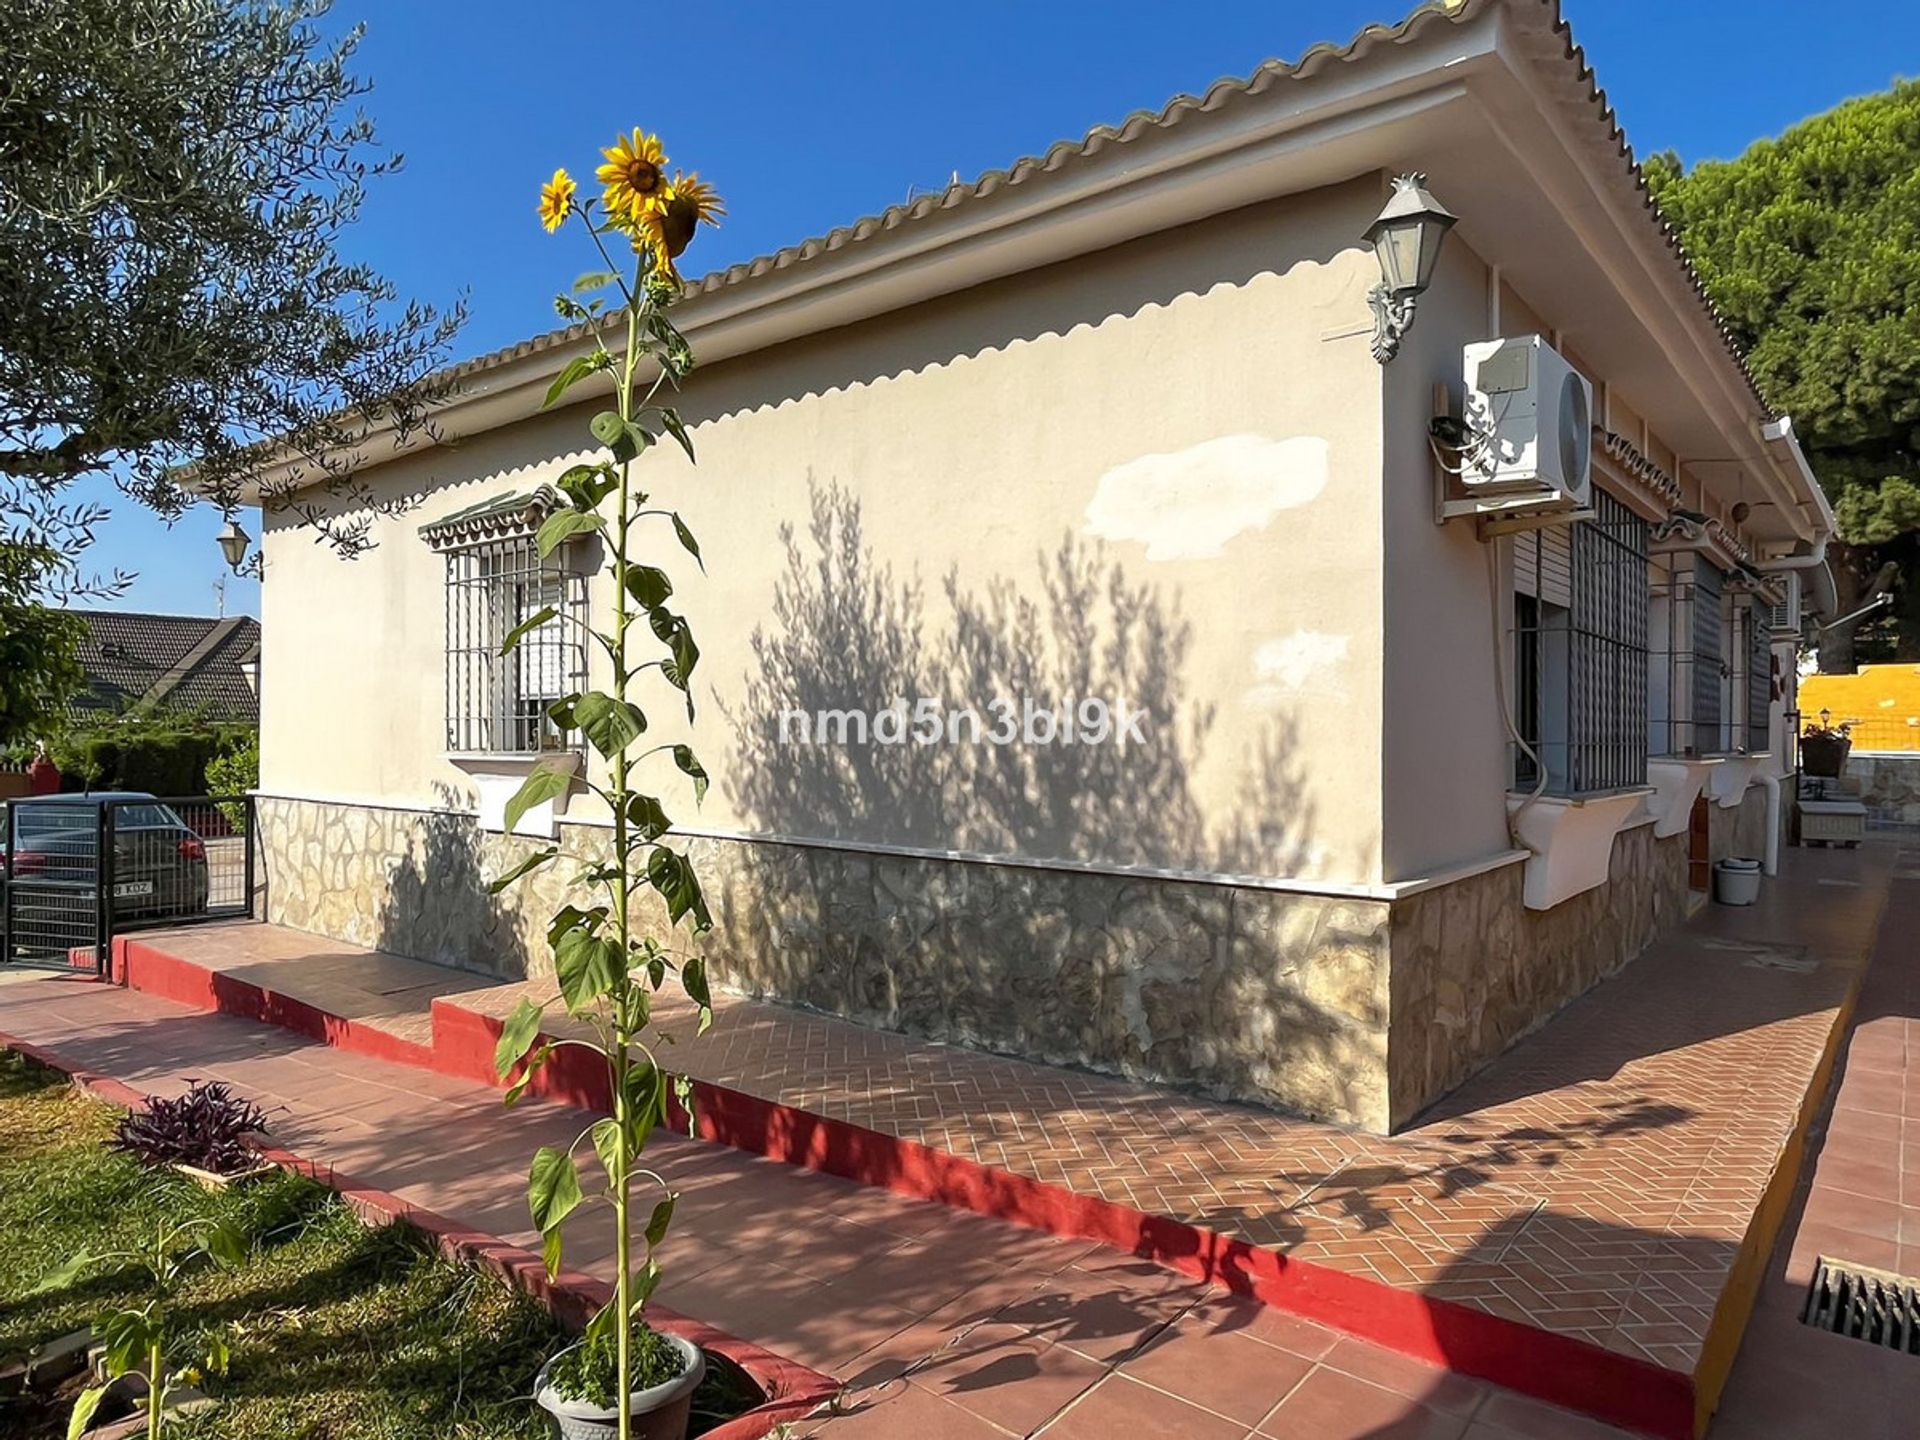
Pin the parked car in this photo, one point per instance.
(159, 866)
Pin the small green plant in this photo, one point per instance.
(135, 1338)
(235, 771)
(590, 1371)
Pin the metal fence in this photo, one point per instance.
(79, 869)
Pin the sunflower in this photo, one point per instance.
(694, 201)
(635, 178)
(556, 200)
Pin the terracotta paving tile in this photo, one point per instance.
(1007, 1375)
(1229, 1374)
(1122, 1407)
(903, 1411)
(1328, 1405)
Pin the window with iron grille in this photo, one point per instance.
(1758, 680)
(497, 703)
(1580, 659)
(1709, 658)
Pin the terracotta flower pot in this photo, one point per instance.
(659, 1412)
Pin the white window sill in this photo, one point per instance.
(1571, 840)
(497, 778)
(1728, 785)
(1677, 781)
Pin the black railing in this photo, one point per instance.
(80, 869)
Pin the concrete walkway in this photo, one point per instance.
(944, 1325)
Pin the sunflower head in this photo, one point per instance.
(694, 203)
(634, 178)
(556, 200)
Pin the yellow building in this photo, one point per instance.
(1880, 702)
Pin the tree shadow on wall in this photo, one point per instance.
(1221, 986)
(436, 906)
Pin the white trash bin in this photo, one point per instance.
(1736, 881)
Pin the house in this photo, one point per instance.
(190, 665)
(1435, 671)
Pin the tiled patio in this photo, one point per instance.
(1597, 1182)
(945, 1325)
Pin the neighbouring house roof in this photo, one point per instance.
(180, 663)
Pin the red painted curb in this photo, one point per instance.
(1605, 1384)
(793, 1390)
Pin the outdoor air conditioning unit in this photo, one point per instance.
(1529, 430)
(1784, 618)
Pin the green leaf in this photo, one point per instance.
(567, 917)
(648, 820)
(586, 966)
(63, 1274)
(645, 1281)
(527, 1072)
(226, 1245)
(552, 1247)
(674, 632)
(562, 526)
(587, 485)
(684, 758)
(649, 585)
(532, 862)
(670, 419)
(83, 1408)
(693, 979)
(686, 539)
(672, 876)
(543, 783)
(571, 374)
(561, 711)
(610, 724)
(125, 1336)
(516, 1036)
(623, 437)
(594, 280)
(606, 1141)
(646, 1101)
(662, 1217)
(218, 1355)
(532, 622)
(553, 1188)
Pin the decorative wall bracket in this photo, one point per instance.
(1392, 318)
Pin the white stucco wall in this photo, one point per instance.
(1190, 423)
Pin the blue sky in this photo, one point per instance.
(808, 116)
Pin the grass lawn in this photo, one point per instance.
(336, 1330)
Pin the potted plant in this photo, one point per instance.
(203, 1134)
(608, 970)
(1824, 747)
(579, 1386)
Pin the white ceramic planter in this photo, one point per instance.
(659, 1412)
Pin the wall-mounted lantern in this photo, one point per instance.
(1406, 240)
(233, 544)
